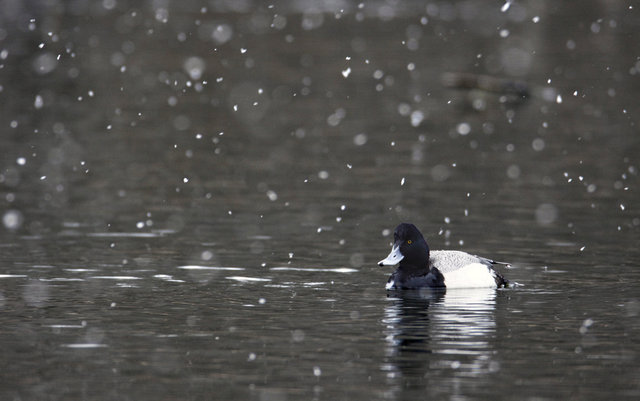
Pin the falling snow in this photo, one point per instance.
(253, 161)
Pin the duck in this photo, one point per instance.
(418, 267)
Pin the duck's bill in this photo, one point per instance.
(394, 257)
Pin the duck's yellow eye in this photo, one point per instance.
(409, 241)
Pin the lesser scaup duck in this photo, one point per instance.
(420, 268)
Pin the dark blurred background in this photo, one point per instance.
(111, 110)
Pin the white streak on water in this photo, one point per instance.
(61, 279)
(125, 235)
(314, 269)
(117, 277)
(260, 237)
(196, 267)
(247, 279)
(80, 270)
(68, 326)
(169, 278)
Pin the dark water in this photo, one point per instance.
(194, 199)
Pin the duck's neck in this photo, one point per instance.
(415, 264)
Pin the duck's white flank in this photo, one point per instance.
(462, 270)
(473, 275)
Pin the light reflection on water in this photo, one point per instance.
(459, 325)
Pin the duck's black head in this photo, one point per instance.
(409, 249)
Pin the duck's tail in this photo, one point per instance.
(501, 282)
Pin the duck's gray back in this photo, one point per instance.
(448, 261)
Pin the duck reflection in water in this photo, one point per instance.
(430, 332)
(407, 318)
